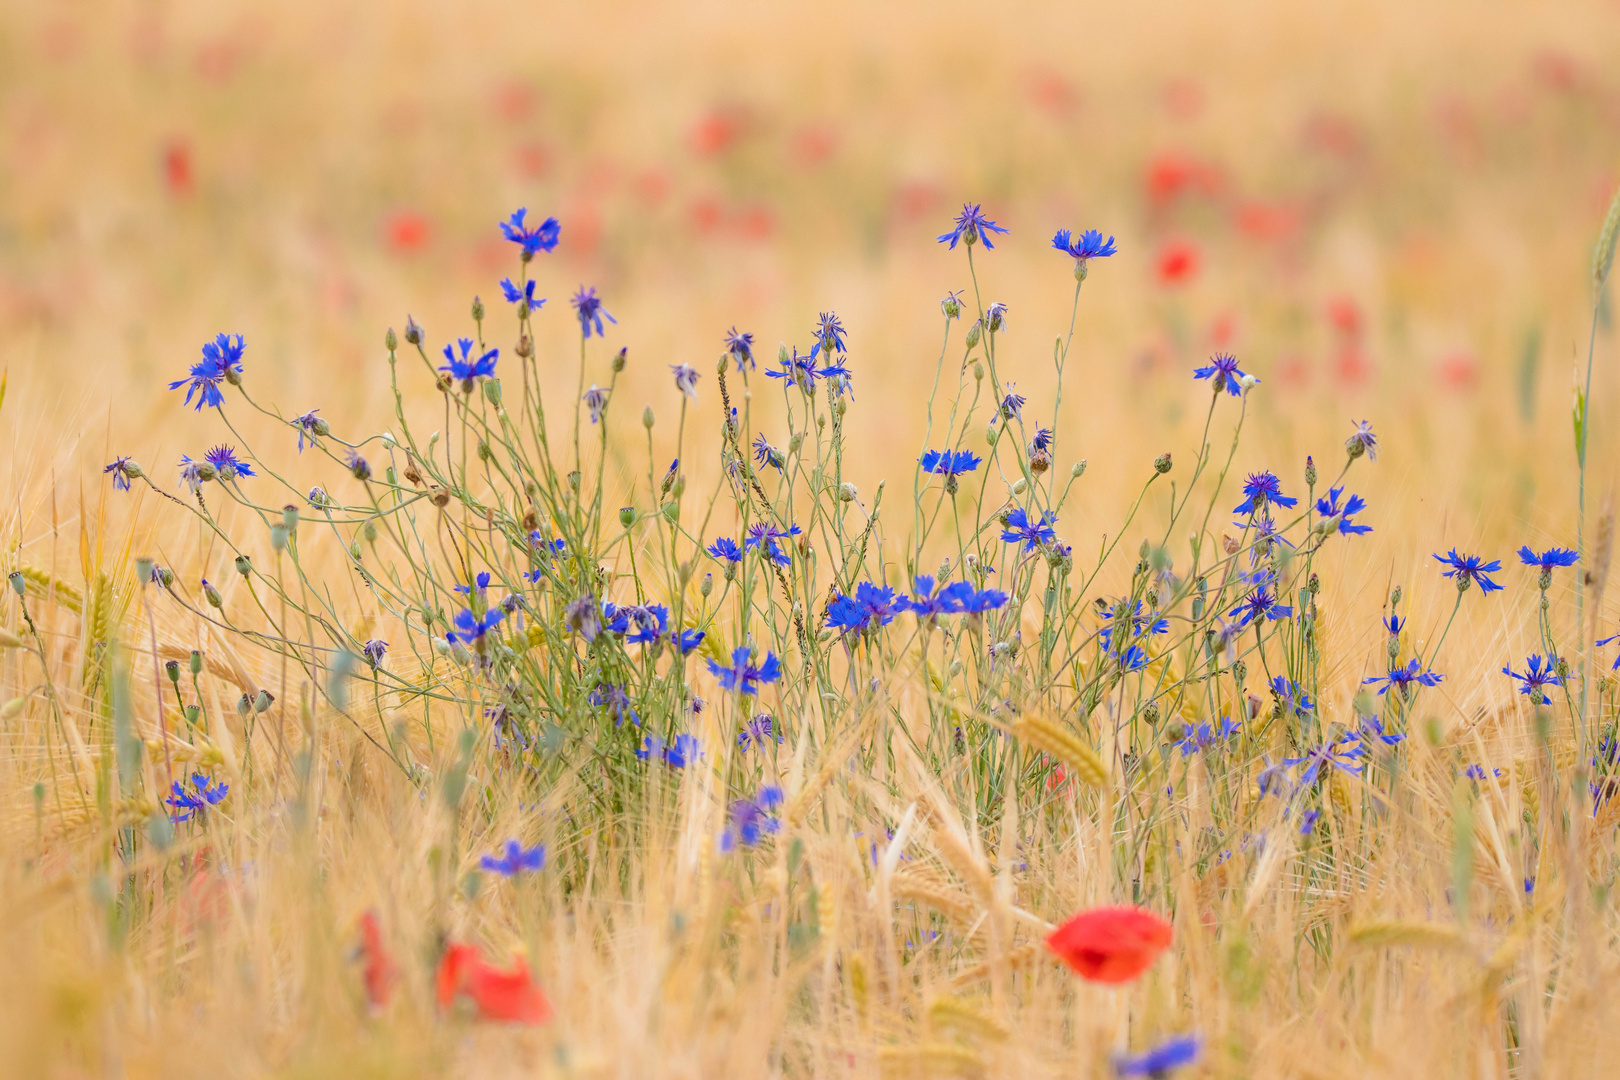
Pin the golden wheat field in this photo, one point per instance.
(502, 660)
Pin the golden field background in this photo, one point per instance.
(1392, 208)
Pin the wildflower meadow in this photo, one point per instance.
(900, 677)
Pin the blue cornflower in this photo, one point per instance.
(1292, 695)
(188, 804)
(525, 295)
(1373, 728)
(1547, 560)
(1205, 736)
(1362, 441)
(1223, 368)
(801, 371)
(516, 860)
(995, 317)
(726, 550)
(309, 425)
(595, 400)
(1471, 568)
(1012, 404)
(872, 606)
(971, 225)
(1260, 605)
(1042, 440)
(1393, 623)
(1266, 537)
(829, 333)
(1088, 245)
(1402, 678)
(588, 308)
(1328, 506)
(549, 548)
(757, 732)
(1342, 754)
(227, 464)
(1307, 821)
(471, 628)
(686, 379)
(480, 582)
(1018, 528)
(743, 675)
(950, 462)
(751, 819)
(687, 640)
(1262, 489)
(766, 454)
(465, 369)
(120, 469)
(928, 604)
(615, 619)
(1134, 623)
(1477, 772)
(1273, 779)
(651, 623)
(1173, 1053)
(374, 650)
(1536, 678)
(543, 237)
(222, 358)
(740, 347)
(616, 700)
(977, 602)
(764, 535)
(677, 755)
(1606, 641)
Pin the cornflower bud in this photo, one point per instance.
(1161, 464)
(1040, 461)
(492, 392)
(573, 480)
(708, 585)
(1078, 469)
(1563, 668)
(354, 550)
(413, 332)
(1240, 671)
(133, 469)
(1019, 486)
(211, 594)
(1395, 596)
(722, 364)
(1310, 471)
(1545, 579)
(390, 342)
(973, 335)
(978, 371)
(1354, 447)
(524, 347)
(647, 418)
(484, 452)
(206, 472)
(951, 485)
(477, 310)
(618, 359)
(847, 492)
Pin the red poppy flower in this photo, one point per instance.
(1178, 263)
(178, 174)
(510, 995)
(379, 971)
(408, 231)
(1110, 944)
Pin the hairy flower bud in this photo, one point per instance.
(492, 392)
(211, 594)
(1078, 469)
(1310, 471)
(413, 332)
(647, 418)
(1161, 464)
(707, 587)
(477, 310)
(390, 342)
(847, 492)
(1039, 462)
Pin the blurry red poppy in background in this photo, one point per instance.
(408, 231)
(1110, 944)
(509, 995)
(178, 176)
(379, 970)
(1458, 371)
(1177, 263)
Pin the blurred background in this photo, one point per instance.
(1385, 209)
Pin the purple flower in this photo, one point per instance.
(1342, 754)
(801, 371)
(516, 860)
(751, 819)
(188, 804)
(543, 237)
(764, 535)
(227, 464)
(1223, 368)
(309, 425)
(121, 472)
(596, 400)
(766, 454)
(524, 295)
(1017, 528)
(677, 755)
(374, 650)
(686, 379)
(1362, 440)
(1173, 1053)
(1088, 245)
(1204, 737)
(1547, 560)
(971, 226)
(743, 675)
(871, 607)
(1260, 490)
(1471, 568)
(757, 732)
(616, 700)
(1402, 678)
(1537, 678)
(950, 462)
(1328, 506)
(465, 369)
(222, 359)
(740, 347)
(471, 628)
(588, 309)
(829, 333)
(1260, 605)
(726, 550)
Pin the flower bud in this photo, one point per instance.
(1247, 383)
(132, 469)
(951, 306)
(1078, 469)
(390, 342)
(973, 335)
(1310, 471)
(211, 594)
(354, 550)
(263, 702)
(171, 668)
(1395, 596)
(206, 472)
(721, 365)
(477, 310)
(244, 705)
(847, 492)
(951, 485)
(1161, 464)
(627, 516)
(196, 661)
(708, 585)
(484, 452)
(573, 480)
(1019, 486)
(647, 418)
(244, 565)
(1545, 579)
(1394, 647)
(413, 332)
(524, 347)
(1563, 668)
(1240, 671)
(1354, 447)
(492, 392)
(978, 371)
(360, 469)
(1039, 462)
